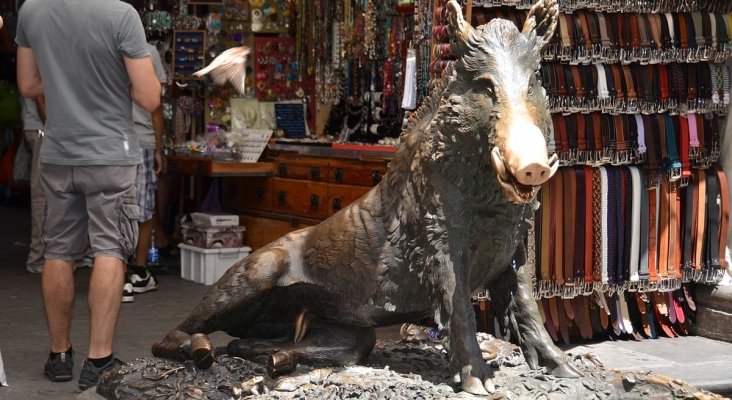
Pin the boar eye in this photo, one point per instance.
(488, 88)
(530, 91)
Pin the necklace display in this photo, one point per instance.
(362, 51)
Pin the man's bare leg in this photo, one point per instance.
(57, 284)
(105, 297)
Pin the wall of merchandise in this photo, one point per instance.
(639, 211)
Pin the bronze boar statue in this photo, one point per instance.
(449, 218)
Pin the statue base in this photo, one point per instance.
(395, 370)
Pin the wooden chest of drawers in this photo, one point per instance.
(303, 191)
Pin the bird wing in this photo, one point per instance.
(229, 66)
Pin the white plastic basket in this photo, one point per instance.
(206, 266)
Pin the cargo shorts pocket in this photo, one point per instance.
(128, 227)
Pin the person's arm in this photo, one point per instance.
(30, 84)
(158, 127)
(41, 107)
(145, 87)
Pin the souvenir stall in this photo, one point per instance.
(635, 219)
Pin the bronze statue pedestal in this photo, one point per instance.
(395, 370)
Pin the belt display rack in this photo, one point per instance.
(638, 211)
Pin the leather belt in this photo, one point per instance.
(724, 215)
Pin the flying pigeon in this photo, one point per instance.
(229, 66)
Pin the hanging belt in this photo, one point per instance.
(547, 237)
(663, 232)
(614, 222)
(701, 218)
(712, 228)
(640, 129)
(581, 150)
(691, 209)
(579, 226)
(598, 229)
(623, 220)
(588, 228)
(596, 118)
(652, 236)
(570, 195)
(605, 226)
(724, 216)
(673, 237)
(644, 229)
(635, 227)
(556, 267)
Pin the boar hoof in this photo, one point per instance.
(281, 363)
(566, 370)
(476, 386)
(202, 351)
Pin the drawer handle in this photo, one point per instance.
(282, 170)
(376, 177)
(315, 173)
(337, 204)
(259, 193)
(339, 174)
(281, 197)
(314, 201)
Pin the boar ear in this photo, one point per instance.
(459, 28)
(542, 19)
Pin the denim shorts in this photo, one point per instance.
(93, 205)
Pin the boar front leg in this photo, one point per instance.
(513, 299)
(455, 314)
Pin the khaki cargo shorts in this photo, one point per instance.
(93, 205)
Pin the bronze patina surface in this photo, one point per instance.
(449, 218)
(395, 370)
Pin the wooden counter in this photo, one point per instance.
(297, 185)
(202, 166)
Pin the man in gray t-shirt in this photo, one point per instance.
(90, 61)
(149, 128)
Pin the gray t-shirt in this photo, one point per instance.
(31, 118)
(142, 118)
(79, 47)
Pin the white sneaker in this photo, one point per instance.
(128, 295)
(143, 284)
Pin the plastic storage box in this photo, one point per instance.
(214, 219)
(212, 236)
(206, 266)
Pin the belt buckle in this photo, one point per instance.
(558, 290)
(567, 291)
(675, 173)
(652, 286)
(632, 286)
(684, 181)
(642, 286)
(696, 276)
(632, 105)
(587, 288)
(543, 288)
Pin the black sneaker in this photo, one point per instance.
(59, 367)
(128, 295)
(90, 374)
(143, 282)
